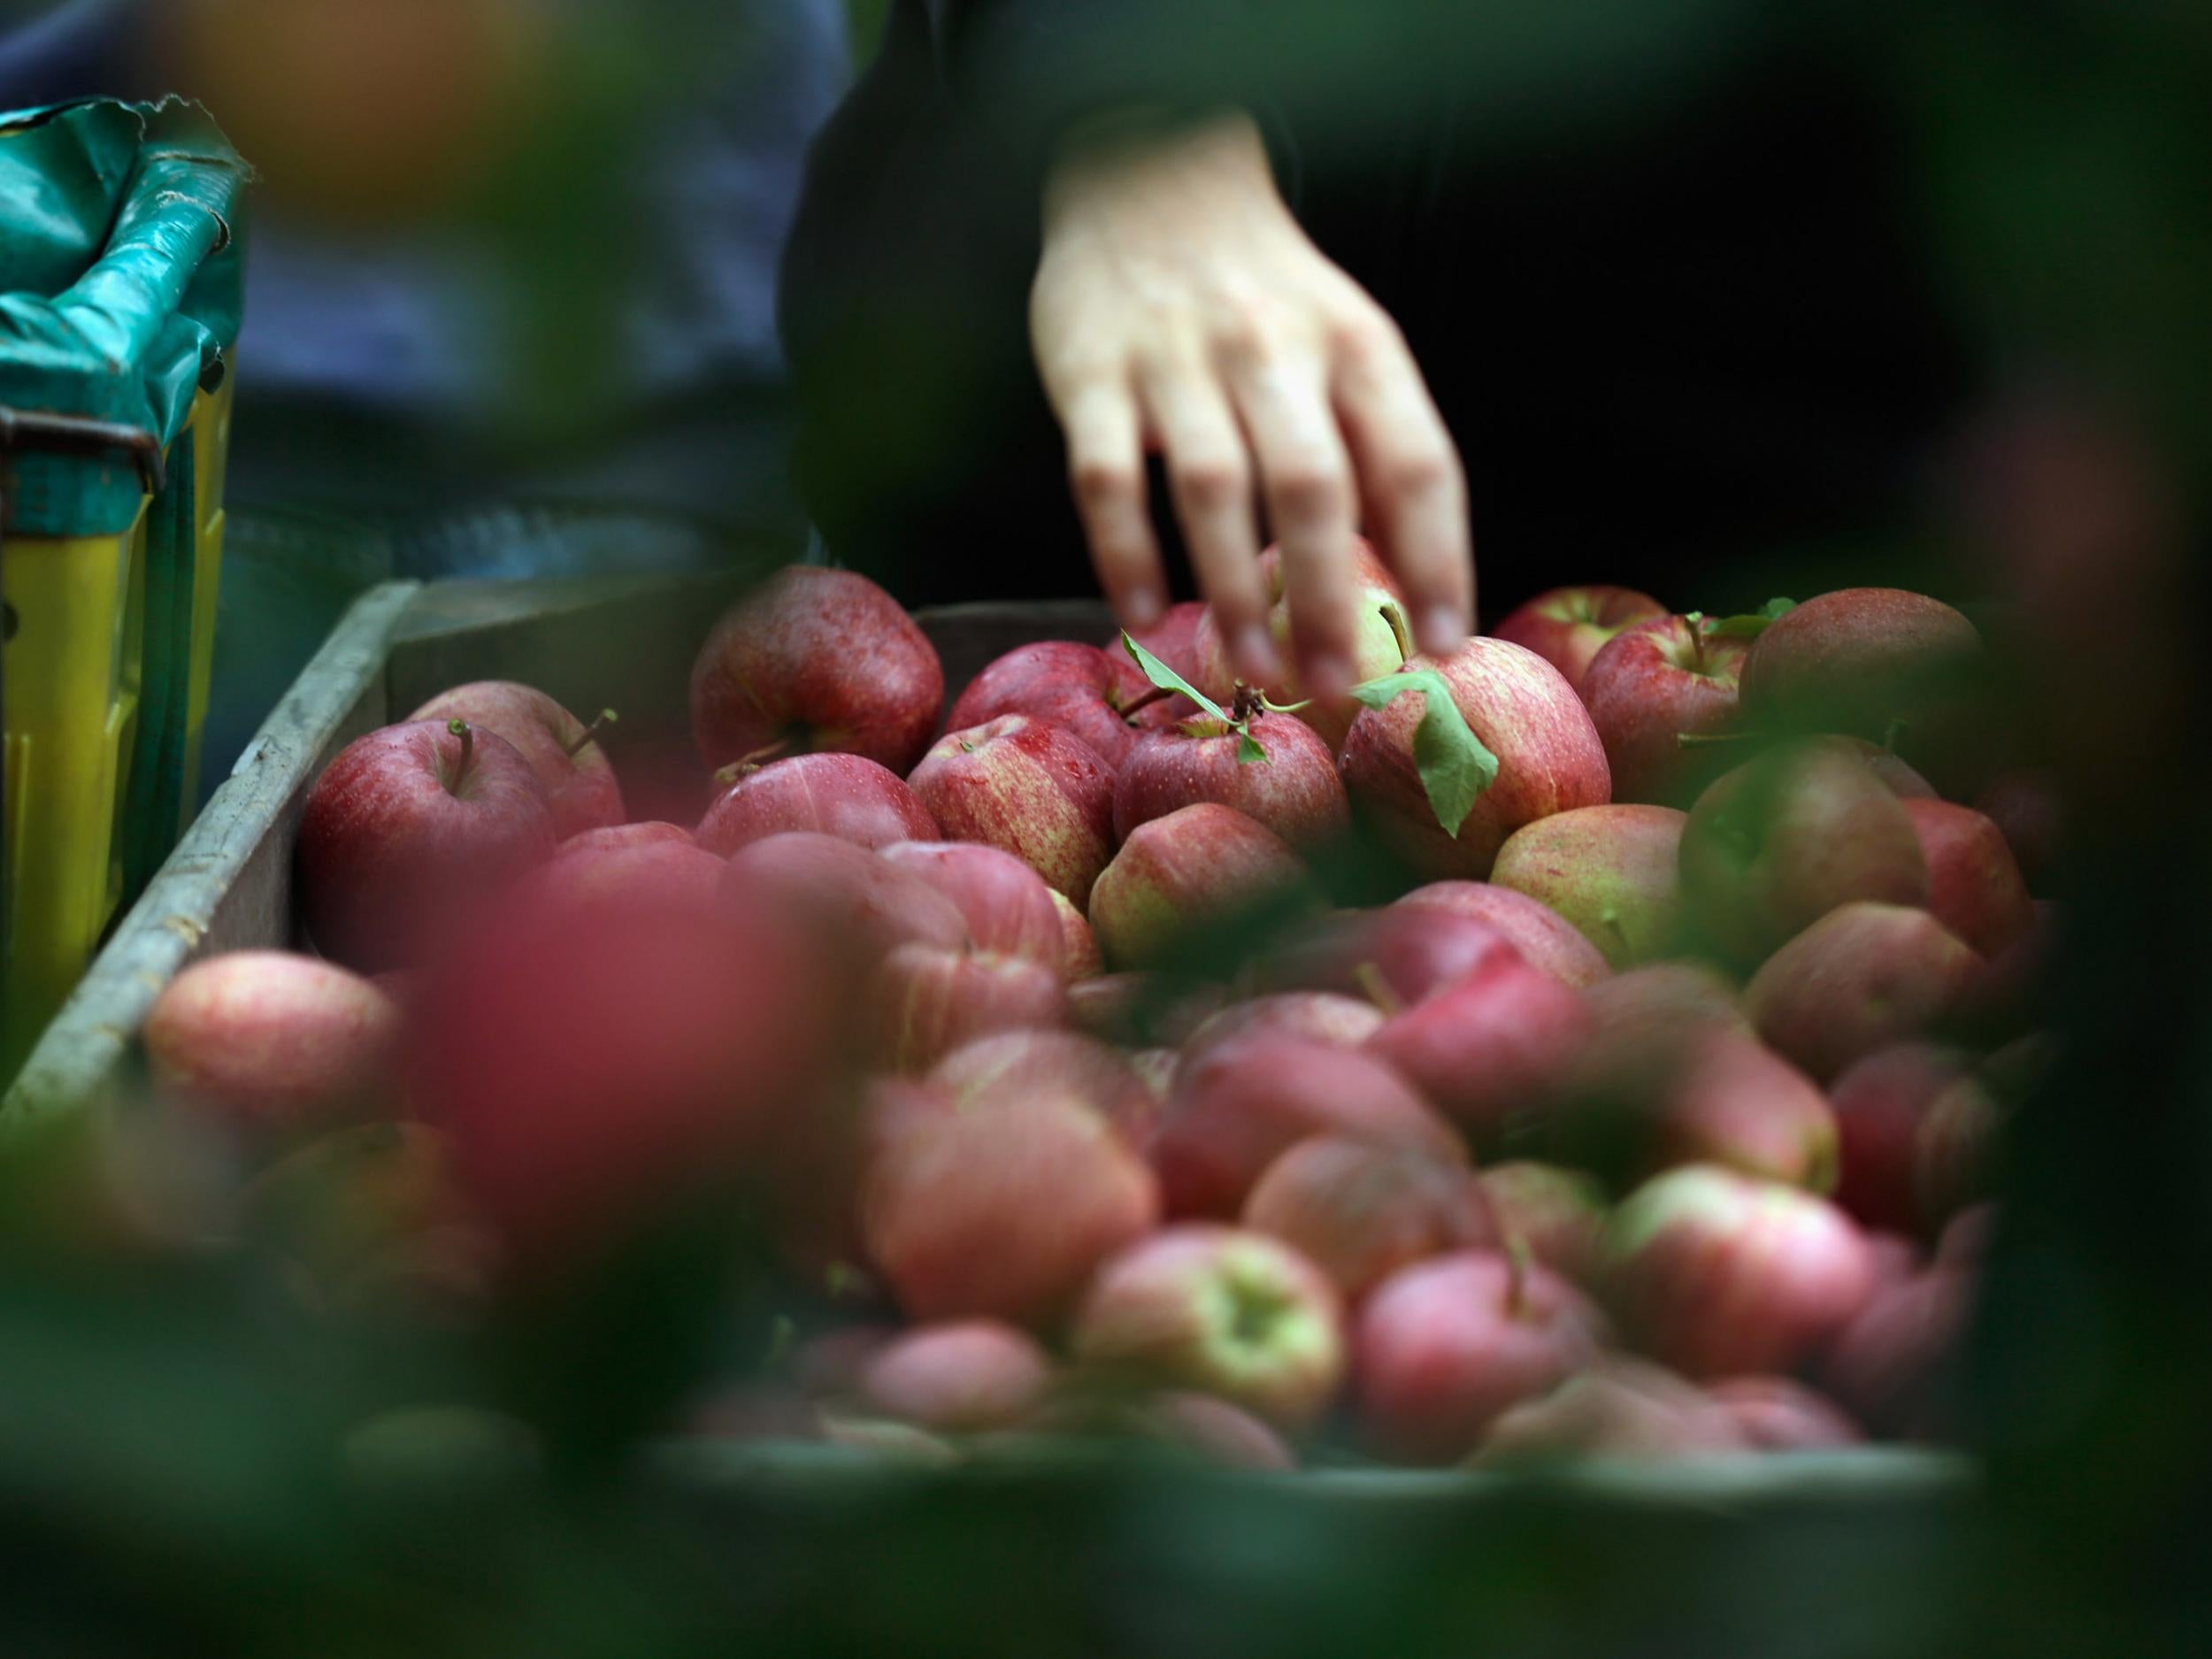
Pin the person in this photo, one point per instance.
(1111, 279)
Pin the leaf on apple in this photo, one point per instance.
(1455, 765)
(1167, 679)
(1752, 623)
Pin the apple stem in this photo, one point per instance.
(1245, 703)
(745, 765)
(1709, 740)
(1146, 701)
(1273, 707)
(1377, 990)
(466, 733)
(1516, 1261)
(607, 716)
(1897, 729)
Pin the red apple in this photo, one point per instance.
(1080, 957)
(616, 837)
(844, 796)
(595, 1064)
(1295, 791)
(409, 827)
(1620, 1409)
(579, 782)
(1780, 841)
(1896, 1363)
(1549, 758)
(2028, 811)
(815, 659)
(2003, 1000)
(1718, 1274)
(1558, 1214)
(1612, 871)
(929, 1001)
(1717, 1095)
(1861, 978)
(1013, 1065)
(1203, 869)
(1659, 1003)
(1542, 935)
(1880, 1103)
(1173, 639)
(1955, 1153)
(1443, 1347)
(1779, 1414)
(1380, 640)
(1887, 767)
(271, 1042)
(1315, 1016)
(1240, 1105)
(619, 875)
(1159, 1068)
(1003, 1210)
(1497, 1044)
(1132, 1008)
(1028, 789)
(1396, 955)
(1233, 1313)
(1974, 886)
(867, 904)
(1569, 627)
(1360, 1212)
(1216, 1432)
(1008, 907)
(1649, 687)
(959, 1378)
(1080, 689)
(1859, 660)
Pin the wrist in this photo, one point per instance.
(1131, 150)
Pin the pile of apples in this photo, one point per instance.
(1655, 1115)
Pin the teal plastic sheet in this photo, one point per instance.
(120, 288)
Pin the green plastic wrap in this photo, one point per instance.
(119, 287)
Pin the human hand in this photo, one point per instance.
(1179, 307)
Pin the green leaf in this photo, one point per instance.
(1161, 675)
(1454, 766)
(1753, 624)
(1248, 748)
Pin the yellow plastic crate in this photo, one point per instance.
(109, 646)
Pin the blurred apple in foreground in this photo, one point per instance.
(844, 796)
(862, 904)
(618, 837)
(271, 1042)
(1028, 788)
(410, 829)
(1200, 870)
(1569, 627)
(1549, 758)
(579, 782)
(1004, 1209)
(1612, 871)
(1080, 957)
(1859, 660)
(1861, 978)
(1779, 1414)
(678, 870)
(1782, 840)
(1649, 687)
(1295, 791)
(1719, 1274)
(958, 1379)
(1241, 1104)
(1359, 1212)
(816, 659)
(1317, 1015)
(1080, 689)
(1557, 1213)
(1008, 907)
(1879, 1103)
(1381, 639)
(1542, 935)
(1620, 1408)
(1443, 1347)
(1233, 1313)
(1012, 1066)
(594, 1064)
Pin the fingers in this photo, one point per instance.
(1106, 466)
(1209, 475)
(1307, 478)
(1411, 480)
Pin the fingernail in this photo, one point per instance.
(1328, 677)
(1443, 630)
(1141, 607)
(1256, 654)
